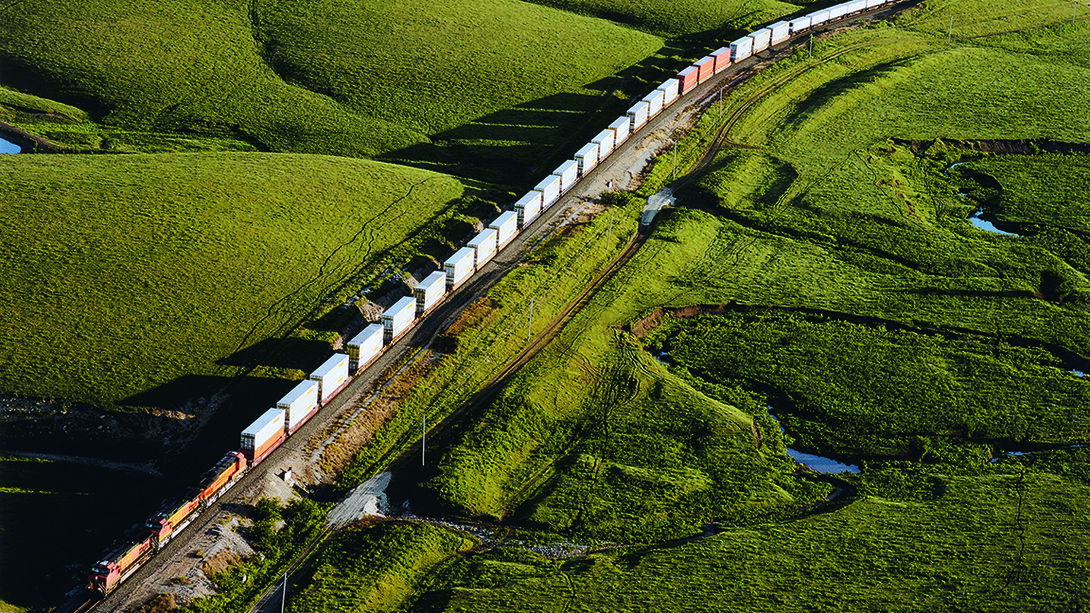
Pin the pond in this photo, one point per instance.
(818, 463)
(9, 147)
(987, 226)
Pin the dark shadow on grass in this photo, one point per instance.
(296, 353)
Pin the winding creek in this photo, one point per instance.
(7, 146)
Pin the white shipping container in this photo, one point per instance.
(654, 101)
(637, 116)
(528, 207)
(568, 173)
(838, 11)
(398, 318)
(506, 227)
(620, 127)
(299, 403)
(268, 427)
(550, 190)
(722, 59)
(799, 24)
(332, 375)
(587, 158)
(819, 17)
(761, 39)
(857, 6)
(430, 291)
(741, 49)
(604, 140)
(671, 89)
(781, 31)
(873, 3)
(484, 245)
(459, 266)
(365, 346)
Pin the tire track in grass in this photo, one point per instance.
(284, 305)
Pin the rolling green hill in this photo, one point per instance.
(121, 273)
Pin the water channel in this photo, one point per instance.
(818, 463)
(9, 147)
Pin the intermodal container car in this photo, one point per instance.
(528, 207)
(506, 227)
(722, 59)
(621, 127)
(366, 346)
(637, 115)
(671, 91)
(299, 404)
(706, 66)
(430, 291)
(762, 39)
(550, 190)
(688, 79)
(781, 31)
(606, 138)
(484, 244)
(819, 17)
(260, 438)
(799, 24)
(459, 266)
(397, 319)
(741, 49)
(568, 173)
(332, 375)
(654, 102)
(586, 158)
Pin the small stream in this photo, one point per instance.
(817, 463)
(7, 146)
(988, 226)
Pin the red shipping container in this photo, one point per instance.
(688, 78)
(707, 68)
(722, 59)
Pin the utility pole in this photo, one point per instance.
(1074, 10)
(285, 596)
(423, 434)
(811, 46)
(673, 172)
(950, 34)
(609, 237)
(720, 103)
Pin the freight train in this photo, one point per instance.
(270, 430)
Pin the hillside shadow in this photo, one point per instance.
(517, 145)
(297, 353)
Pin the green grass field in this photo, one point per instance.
(384, 565)
(686, 17)
(962, 552)
(356, 79)
(121, 274)
(821, 209)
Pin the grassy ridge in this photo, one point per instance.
(176, 67)
(187, 259)
(960, 552)
(357, 79)
(431, 66)
(375, 568)
(682, 17)
(868, 390)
